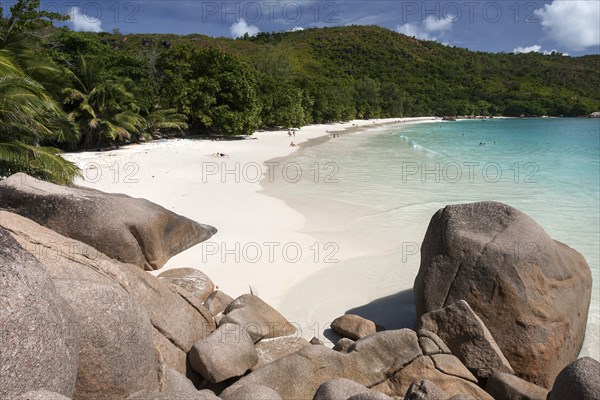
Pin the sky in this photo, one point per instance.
(569, 26)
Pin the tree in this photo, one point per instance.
(28, 119)
(26, 17)
(105, 112)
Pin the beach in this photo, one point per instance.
(260, 246)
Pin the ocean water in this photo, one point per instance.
(375, 192)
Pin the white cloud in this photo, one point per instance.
(535, 49)
(572, 24)
(428, 28)
(296, 29)
(84, 23)
(240, 28)
(434, 24)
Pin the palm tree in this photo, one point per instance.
(30, 118)
(165, 119)
(105, 112)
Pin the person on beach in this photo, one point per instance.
(292, 144)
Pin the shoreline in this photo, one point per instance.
(259, 236)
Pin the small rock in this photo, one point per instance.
(217, 302)
(316, 341)
(424, 390)
(224, 354)
(248, 392)
(192, 280)
(353, 326)
(506, 386)
(343, 345)
(580, 380)
(339, 389)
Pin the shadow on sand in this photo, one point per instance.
(391, 312)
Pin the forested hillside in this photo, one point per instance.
(77, 90)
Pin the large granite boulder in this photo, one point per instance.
(532, 292)
(224, 354)
(468, 339)
(578, 381)
(509, 387)
(373, 361)
(117, 358)
(353, 326)
(39, 331)
(177, 324)
(217, 302)
(134, 231)
(258, 319)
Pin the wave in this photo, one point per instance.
(416, 146)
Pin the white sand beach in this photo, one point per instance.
(259, 245)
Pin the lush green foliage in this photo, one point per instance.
(87, 90)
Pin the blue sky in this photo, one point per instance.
(568, 26)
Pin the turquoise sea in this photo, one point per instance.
(380, 188)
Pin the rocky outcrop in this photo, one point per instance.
(467, 338)
(257, 319)
(509, 387)
(578, 381)
(532, 293)
(177, 323)
(377, 362)
(39, 331)
(224, 354)
(353, 326)
(133, 231)
(196, 283)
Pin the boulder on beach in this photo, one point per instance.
(506, 386)
(39, 331)
(578, 381)
(468, 339)
(133, 231)
(116, 358)
(353, 326)
(532, 292)
(195, 282)
(226, 353)
(343, 345)
(374, 361)
(177, 324)
(257, 319)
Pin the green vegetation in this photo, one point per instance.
(73, 90)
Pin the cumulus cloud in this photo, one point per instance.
(296, 29)
(84, 23)
(240, 28)
(536, 48)
(428, 28)
(572, 24)
(529, 49)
